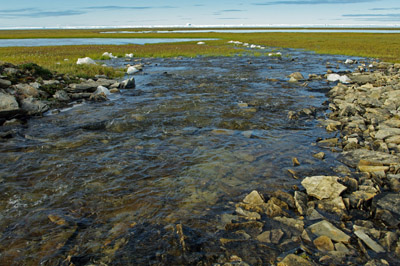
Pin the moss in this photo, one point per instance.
(36, 70)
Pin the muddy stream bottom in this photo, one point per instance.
(152, 176)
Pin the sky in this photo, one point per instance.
(97, 13)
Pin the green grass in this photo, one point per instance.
(386, 47)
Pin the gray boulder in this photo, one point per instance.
(8, 105)
(33, 106)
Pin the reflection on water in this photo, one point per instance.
(107, 181)
(87, 41)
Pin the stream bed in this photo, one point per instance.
(111, 182)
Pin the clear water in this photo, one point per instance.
(86, 41)
(109, 182)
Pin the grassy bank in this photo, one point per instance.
(386, 47)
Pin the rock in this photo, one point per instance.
(300, 199)
(85, 61)
(332, 205)
(313, 215)
(201, 43)
(114, 90)
(132, 70)
(102, 89)
(337, 77)
(294, 260)
(293, 80)
(248, 215)
(276, 236)
(61, 95)
(8, 104)
(128, 84)
(320, 155)
(264, 237)
(254, 198)
(296, 75)
(323, 187)
(352, 158)
(4, 84)
(33, 106)
(285, 197)
(363, 79)
(325, 228)
(324, 243)
(109, 55)
(342, 248)
(297, 224)
(27, 90)
(349, 61)
(387, 132)
(369, 242)
(390, 202)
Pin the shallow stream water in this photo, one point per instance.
(104, 182)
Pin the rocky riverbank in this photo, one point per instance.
(29, 90)
(351, 218)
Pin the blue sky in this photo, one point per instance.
(74, 13)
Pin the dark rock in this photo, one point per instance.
(4, 83)
(128, 84)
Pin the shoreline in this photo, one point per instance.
(352, 217)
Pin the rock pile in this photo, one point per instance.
(350, 218)
(29, 90)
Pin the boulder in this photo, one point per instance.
(27, 90)
(323, 187)
(352, 158)
(8, 105)
(33, 106)
(85, 61)
(132, 70)
(128, 84)
(102, 89)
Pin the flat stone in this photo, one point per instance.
(341, 248)
(276, 236)
(393, 139)
(325, 228)
(254, 198)
(332, 205)
(323, 187)
(294, 260)
(324, 243)
(313, 215)
(368, 241)
(372, 168)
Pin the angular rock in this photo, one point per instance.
(325, 228)
(368, 241)
(294, 260)
(323, 187)
(276, 236)
(387, 132)
(285, 197)
(324, 243)
(320, 155)
(128, 84)
(342, 248)
(265, 237)
(254, 198)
